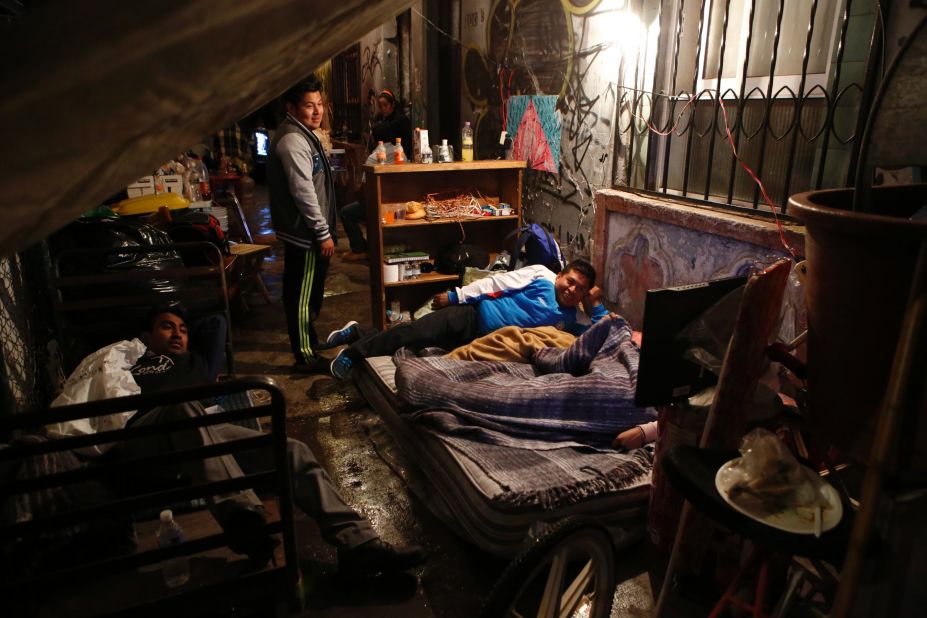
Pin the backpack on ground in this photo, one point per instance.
(533, 244)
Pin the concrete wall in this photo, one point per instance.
(571, 49)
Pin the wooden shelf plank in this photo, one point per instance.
(405, 223)
(406, 168)
(432, 277)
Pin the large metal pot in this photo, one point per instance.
(859, 276)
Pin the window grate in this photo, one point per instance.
(794, 99)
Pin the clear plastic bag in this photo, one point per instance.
(767, 479)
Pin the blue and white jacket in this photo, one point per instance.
(525, 297)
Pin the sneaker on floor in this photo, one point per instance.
(341, 366)
(315, 364)
(378, 556)
(351, 256)
(346, 335)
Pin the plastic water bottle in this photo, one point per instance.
(380, 153)
(444, 154)
(399, 155)
(466, 142)
(427, 155)
(176, 570)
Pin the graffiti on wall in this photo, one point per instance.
(543, 47)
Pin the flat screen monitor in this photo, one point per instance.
(261, 143)
(664, 373)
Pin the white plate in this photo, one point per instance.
(799, 520)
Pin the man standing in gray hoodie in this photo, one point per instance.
(302, 207)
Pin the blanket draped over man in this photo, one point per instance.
(559, 413)
(584, 393)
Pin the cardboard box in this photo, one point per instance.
(142, 186)
(420, 144)
(173, 183)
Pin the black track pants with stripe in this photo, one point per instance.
(304, 273)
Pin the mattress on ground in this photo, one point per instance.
(474, 502)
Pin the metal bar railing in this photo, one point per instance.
(769, 94)
(831, 111)
(692, 113)
(672, 98)
(741, 104)
(799, 104)
(718, 94)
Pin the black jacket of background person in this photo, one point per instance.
(395, 125)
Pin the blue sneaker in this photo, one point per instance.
(341, 366)
(346, 335)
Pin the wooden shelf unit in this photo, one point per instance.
(391, 184)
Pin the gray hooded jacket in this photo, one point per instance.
(300, 186)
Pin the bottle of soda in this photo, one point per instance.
(380, 153)
(176, 570)
(466, 142)
(399, 156)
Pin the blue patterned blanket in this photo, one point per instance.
(579, 396)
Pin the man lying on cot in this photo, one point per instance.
(519, 345)
(526, 297)
(161, 359)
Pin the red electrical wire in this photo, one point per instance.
(653, 129)
(756, 179)
(730, 140)
(505, 95)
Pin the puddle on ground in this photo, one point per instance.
(339, 283)
(335, 396)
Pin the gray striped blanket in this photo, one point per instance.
(583, 395)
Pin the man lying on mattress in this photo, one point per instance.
(528, 297)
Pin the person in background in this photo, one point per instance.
(302, 206)
(391, 123)
(527, 297)
(235, 144)
(352, 216)
(169, 363)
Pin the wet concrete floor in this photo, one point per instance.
(371, 471)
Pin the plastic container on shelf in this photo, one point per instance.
(380, 153)
(176, 570)
(399, 156)
(427, 155)
(466, 142)
(444, 153)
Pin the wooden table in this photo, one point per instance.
(244, 268)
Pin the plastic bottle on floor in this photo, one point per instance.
(176, 570)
